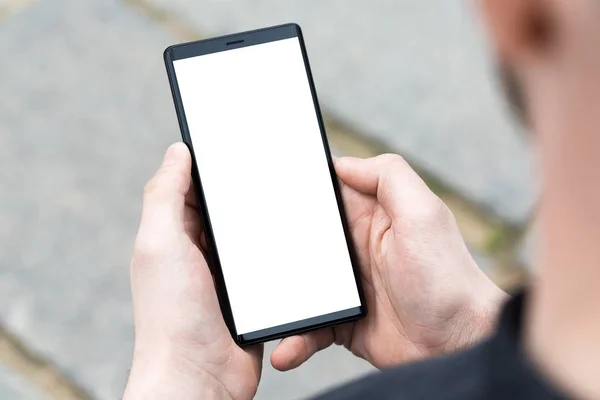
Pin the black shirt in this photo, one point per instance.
(495, 369)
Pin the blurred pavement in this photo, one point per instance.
(412, 74)
(86, 114)
(13, 386)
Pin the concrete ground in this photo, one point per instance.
(86, 113)
(13, 386)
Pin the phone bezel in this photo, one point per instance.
(224, 43)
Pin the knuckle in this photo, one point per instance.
(146, 253)
(427, 208)
(165, 183)
(393, 160)
(151, 186)
(434, 212)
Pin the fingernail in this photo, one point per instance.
(174, 153)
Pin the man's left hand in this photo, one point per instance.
(183, 349)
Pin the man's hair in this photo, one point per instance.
(513, 91)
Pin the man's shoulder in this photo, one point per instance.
(458, 376)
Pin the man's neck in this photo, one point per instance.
(564, 313)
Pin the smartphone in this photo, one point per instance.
(278, 242)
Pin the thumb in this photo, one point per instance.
(387, 177)
(164, 194)
(295, 350)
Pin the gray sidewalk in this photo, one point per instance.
(16, 387)
(86, 114)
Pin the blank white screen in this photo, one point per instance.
(267, 184)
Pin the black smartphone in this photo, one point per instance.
(278, 241)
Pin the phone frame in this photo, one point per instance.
(231, 42)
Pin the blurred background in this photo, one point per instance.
(86, 114)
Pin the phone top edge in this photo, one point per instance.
(219, 43)
(167, 54)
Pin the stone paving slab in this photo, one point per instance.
(9, 5)
(412, 74)
(83, 123)
(14, 387)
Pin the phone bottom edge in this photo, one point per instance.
(303, 326)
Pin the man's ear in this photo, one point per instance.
(520, 29)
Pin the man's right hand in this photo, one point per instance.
(424, 292)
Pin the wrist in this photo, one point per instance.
(159, 377)
(477, 318)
